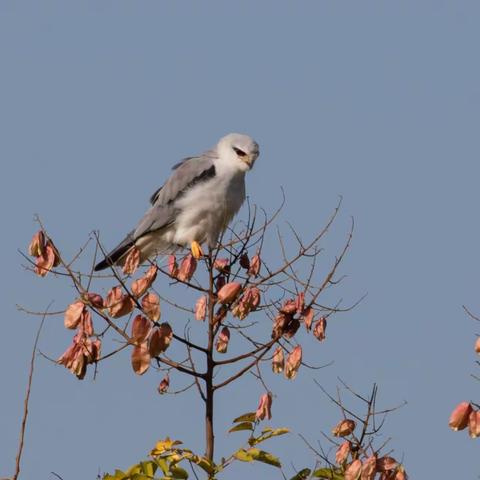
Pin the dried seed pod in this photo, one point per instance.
(278, 360)
(132, 261)
(289, 307)
(255, 264)
(319, 329)
(294, 360)
(229, 292)
(222, 340)
(187, 268)
(46, 261)
(118, 304)
(141, 285)
(140, 358)
(160, 339)
(151, 306)
(474, 424)
(343, 451)
(172, 266)
(73, 314)
(201, 308)
(93, 299)
(141, 328)
(264, 409)
(386, 464)
(343, 428)
(164, 384)
(37, 244)
(307, 316)
(222, 264)
(244, 261)
(459, 417)
(354, 470)
(248, 302)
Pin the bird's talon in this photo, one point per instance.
(196, 250)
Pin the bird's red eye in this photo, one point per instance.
(239, 152)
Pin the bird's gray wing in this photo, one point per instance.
(186, 174)
(196, 165)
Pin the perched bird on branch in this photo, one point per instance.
(194, 205)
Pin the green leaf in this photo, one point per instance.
(328, 474)
(164, 446)
(268, 434)
(178, 472)
(279, 431)
(118, 475)
(257, 455)
(302, 474)
(246, 417)
(162, 463)
(134, 469)
(241, 426)
(205, 464)
(243, 455)
(149, 468)
(264, 457)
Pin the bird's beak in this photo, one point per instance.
(249, 160)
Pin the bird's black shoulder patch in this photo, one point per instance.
(204, 176)
(154, 196)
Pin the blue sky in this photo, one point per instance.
(375, 101)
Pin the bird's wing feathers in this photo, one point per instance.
(185, 175)
(118, 252)
(163, 211)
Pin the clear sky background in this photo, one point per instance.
(375, 101)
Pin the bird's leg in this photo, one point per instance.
(196, 249)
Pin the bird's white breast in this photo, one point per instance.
(207, 208)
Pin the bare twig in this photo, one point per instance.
(26, 402)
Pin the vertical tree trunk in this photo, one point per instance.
(209, 435)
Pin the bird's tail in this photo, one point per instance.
(117, 253)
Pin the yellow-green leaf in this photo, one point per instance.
(302, 474)
(246, 417)
(243, 455)
(163, 446)
(149, 468)
(268, 434)
(162, 463)
(178, 472)
(140, 476)
(328, 474)
(174, 457)
(205, 464)
(264, 457)
(241, 426)
(279, 431)
(134, 469)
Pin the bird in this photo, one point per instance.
(195, 205)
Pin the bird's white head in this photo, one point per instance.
(239, 151)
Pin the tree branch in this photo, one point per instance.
(26, 402)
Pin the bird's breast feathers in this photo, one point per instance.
(206, 209)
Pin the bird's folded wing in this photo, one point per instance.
(186, 174)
